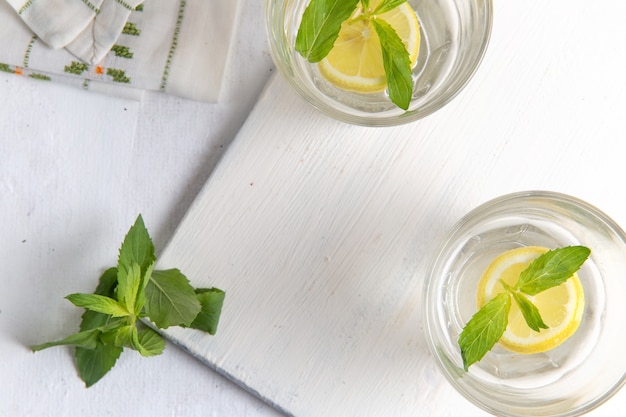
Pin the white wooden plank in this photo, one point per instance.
(321, 233)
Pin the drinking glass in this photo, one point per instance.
(568, 380)
(454, 37)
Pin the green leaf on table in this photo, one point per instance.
(111, 319)
(141, 293)
(107, 283)
(137, 247)
(87, 339)
(484, 329)
(93, 364)
(99, 303)
(148, 342)
(123, 336)
(211, 300)
(320, 26)
(131, 286)
(106, 287)
(128, 281)
(170, 299)
(397, 64)
(529, 311)
(551, 269)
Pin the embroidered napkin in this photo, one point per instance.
(120, 47)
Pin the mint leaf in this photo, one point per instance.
(551, 269)
(106, 287)
(99, 303)
(529, 311)
(387, 5)
(211, 300)
(123, 337)
(141, 292)
(107, 283)
(137, 247)
(93, 364)
(128, 282)
(87, 339)
(170, 299)
(148, 342)
(131, 287)
(397, 64)
(484, 329)
(320, 26)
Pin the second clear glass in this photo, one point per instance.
(568, 380)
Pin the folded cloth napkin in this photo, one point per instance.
(121, 47)
(86, 28)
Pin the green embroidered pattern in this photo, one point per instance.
(121, 51)
(25, 6)
(6, 68)
(39, 76)
(125, 5)
(29, 49)
(119, 76)
(139, 8)
(174, 44)
(131, 29)
(91, 6)
(76, 68)
(16, 70)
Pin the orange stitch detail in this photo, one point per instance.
(99, 70)
(18, 70)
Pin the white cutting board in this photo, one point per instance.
(321, 233)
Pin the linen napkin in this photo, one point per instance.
(120, 47)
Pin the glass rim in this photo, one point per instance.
(537, 194)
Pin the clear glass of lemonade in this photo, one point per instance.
(570, 379)
(452, 39)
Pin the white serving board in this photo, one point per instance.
(321, 233)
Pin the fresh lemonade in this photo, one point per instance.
(561, 307)
(520, 330)
(523, 357)
(378, 62)
(354, 72)
(355, 63)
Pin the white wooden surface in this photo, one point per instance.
(321, 233)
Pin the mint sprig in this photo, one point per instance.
(489, 323)
(551, 269)
(320, 27)
(484, 329)
(529, 311)
(397, 64)
(125, 295)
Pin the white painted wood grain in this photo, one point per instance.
(321, 233)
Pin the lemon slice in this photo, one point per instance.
(355, 63)
(561, 307)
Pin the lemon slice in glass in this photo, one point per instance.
(355, 63)
(561, 307)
